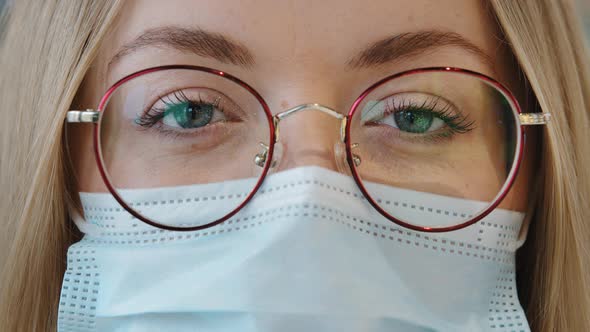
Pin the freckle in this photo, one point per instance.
(284, 104)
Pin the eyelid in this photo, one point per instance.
(375, 109)
(206, 95)
(180, 96)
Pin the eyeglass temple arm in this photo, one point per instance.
(87, 116)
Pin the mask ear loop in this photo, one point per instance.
(73, 205)
(528, 219)
(83, 225)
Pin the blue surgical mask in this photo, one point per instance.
(308, 253)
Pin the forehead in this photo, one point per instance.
(309, 21)
(312, 31)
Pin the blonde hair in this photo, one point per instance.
(48, 46)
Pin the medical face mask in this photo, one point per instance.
(308, 253)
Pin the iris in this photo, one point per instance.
(414, 121)
(191, 115)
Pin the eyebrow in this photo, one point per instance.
(225, 50)
(413, 43)
(193, 40)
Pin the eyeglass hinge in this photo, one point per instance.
(534, 118)
(87, 116)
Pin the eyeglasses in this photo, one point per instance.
(445, 132)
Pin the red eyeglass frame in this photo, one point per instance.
(349, 155)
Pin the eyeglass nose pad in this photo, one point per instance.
(277, 157)
(340, 156)
(260, 158)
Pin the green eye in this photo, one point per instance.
(188, 115)
(417, 115)
(414, 121)
(406, 116)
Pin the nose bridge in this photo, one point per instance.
(308, 139)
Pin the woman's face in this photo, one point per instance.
(297, 52)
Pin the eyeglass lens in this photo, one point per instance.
(442, 139)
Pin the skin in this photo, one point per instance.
(301, 52)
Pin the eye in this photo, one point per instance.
(182, 111)
(416, 113)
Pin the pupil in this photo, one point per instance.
(409, 117)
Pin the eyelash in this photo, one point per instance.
(152, 117)
(458, 123)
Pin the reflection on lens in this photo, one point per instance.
(167, 134)
(440, 138)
